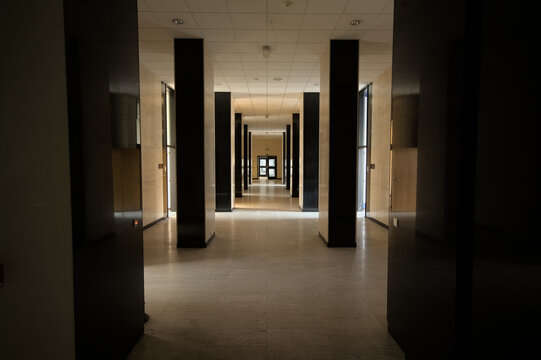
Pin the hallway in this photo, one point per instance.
(266, 288)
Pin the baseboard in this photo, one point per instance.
(308, 209)
(210, 239)
(223, 210)
(377, 222)
(323, 239)
(154, 222)
(334, 245)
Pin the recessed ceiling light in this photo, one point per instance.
(356, 22)
(277, 79)
(256, 79)
(177, 21)
(288, 3)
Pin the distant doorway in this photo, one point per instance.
(266, 166)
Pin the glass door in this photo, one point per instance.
(262, 166)
(272, 167)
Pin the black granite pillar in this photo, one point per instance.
(287, 162)
(245, 158)
(222, 109)
(339, 102)
(295, 157)
(190, 120)
(238, 155)
(250, 158)
(310, 152)
(283, 157)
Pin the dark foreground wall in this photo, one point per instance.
(463, 278)
(103, 89)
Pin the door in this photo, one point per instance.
(261, 166)
(271, 166)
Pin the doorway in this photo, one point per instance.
(363, 126)
(170, 152)
(266, 166)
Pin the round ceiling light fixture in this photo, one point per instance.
(277, 79)
(177, 21)
(356, 22)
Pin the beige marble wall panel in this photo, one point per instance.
(260, 144)
(151, 146)
(210, 170)
(323, 195)
(380, 148)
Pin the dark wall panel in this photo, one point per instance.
(343, 103)
(238, 155)
(295, 157)
(283, 157)
(102, 68)
(507, 265)
(310, 171)
(190, 119)
(222, 106)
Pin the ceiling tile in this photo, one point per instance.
(345, 22)
(227, 57)
(285, 21)
(311, 48)
(142, 6)
(345, 35)
(186, 33)
(326, 6)
(249, 21)
(213, 20)
(207, 5)
(320, 21)
(148, 20)
(247, 6)
(383, 22)
(277, 6)
(218, 35)
(307, 58)
(314, 35)
(154, 34)
(365, 7)
(167, 5)
(378, 36)
(287, 36)
(160, 46)
(166, 20)
(389, 8)
(222, 47)
(251, 35)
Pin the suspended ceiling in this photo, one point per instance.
(266, 90)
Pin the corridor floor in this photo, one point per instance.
(266, 288)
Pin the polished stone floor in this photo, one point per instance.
(266, 288)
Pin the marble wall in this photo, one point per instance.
(379, 184)
(209, 140)
(323, 196)
(151, 147)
